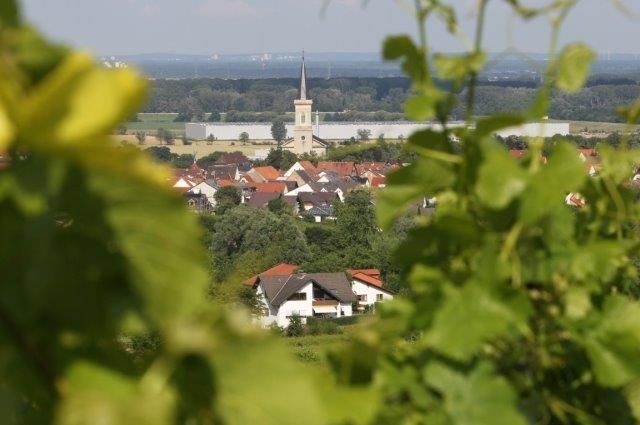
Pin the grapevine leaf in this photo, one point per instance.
(488, 126)
(479, 398)
(500, 180)
(9, 13)
(459, 67)
(90, 389)
(473, 315)
(414, 60)
(425, 177)
(573, 67)
(563, 174)
(612, 343)
(423, 105)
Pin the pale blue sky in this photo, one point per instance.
(255, 26)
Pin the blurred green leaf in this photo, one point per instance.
(398, 47)
(474, 314)
(490, 125)
(478, 398)
(574, 64)
(564, 173)
(612, 342)
(459, 67)
(9, 13)
(500, 180)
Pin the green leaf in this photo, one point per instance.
(425, 177)
(423, 106)
(414, 64)
(547, 189)
(479, 398)
(90, 389)
(459, 67)
(500, 179)
(7, 129)
(489, 126)
(574, 65)
(473, 315)
(613, 342)
(9, 13)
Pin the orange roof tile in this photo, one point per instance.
(367, 279)
(269, 187)
(340, 168)
(223, 182)
(268, 172)
(369, 272)
(282, 269)
(308, 166)
(377, 181)
(517, 153)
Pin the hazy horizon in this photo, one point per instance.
(242, 27)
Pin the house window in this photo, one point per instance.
(298, 296)
(379, 297)
(362, 298)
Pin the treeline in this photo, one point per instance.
(377, 99)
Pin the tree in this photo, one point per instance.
(182, 161)
(141, 136)
(278, 206)
(226, 198)
(281, 159)
(165, 135)
(183, 117)
(214, 116)
(244, 137)
(209, 160)
(161, 153)
(364, 134)
(278, 131)
(210, 139)
(295, 328)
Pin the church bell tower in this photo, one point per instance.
(303, 130)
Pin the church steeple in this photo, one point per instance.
(303, 81)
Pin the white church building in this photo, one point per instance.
(309, 137)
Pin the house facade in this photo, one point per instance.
(304, 295)
(368, 287)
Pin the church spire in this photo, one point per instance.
(303, 80)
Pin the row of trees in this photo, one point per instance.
(361, 99)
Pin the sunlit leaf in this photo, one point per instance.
(612, 343)
(573, 67)
(479, 398)
(501, 179)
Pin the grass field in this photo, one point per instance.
(600, 128)
(201, 148)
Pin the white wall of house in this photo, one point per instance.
(305, 188)
(207, 190)
(303, 308)
(372, 293)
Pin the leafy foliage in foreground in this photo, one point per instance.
(95, 246)
(518, 310)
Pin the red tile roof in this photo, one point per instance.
(367, 279)
(268, 172)
(308, 166)
(378, 167)
(517, 153)
(282, 269)
(342, 169)
(378, 181)
(223, 182)
(269, 187)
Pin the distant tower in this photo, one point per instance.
(303, 130)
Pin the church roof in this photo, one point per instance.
(303, 82)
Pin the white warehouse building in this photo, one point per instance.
(346, 130)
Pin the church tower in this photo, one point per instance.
(303, 130)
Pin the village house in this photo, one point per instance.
(284, 292)
(368, 287)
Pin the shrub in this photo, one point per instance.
(295, 328)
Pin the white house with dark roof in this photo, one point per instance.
(304, 295)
